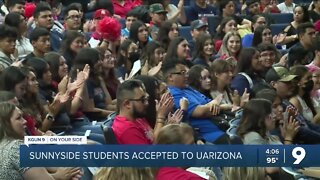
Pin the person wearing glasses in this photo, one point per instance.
(130, 125)
(72, 18)
(201, 109)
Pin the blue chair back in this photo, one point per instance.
(233, 136)
(277, 28)
(282, 18)
(185, 31)
(213, 22)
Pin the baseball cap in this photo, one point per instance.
(279, 74)
(198, 24)
(157, 8)
(101, 13)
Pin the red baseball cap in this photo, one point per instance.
(101, 13)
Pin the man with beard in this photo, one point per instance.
(284, 83)
(130, 126)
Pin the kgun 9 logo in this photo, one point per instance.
(299, 154)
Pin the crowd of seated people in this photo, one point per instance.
(158, 72)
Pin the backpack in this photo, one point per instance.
(248, 79)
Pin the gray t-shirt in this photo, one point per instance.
(254, 138)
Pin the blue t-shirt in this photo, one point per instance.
(193, 12)
(207, 129)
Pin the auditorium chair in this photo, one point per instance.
(282, 18)
(277, 28)
(234, 138)
(109, 135)
(185, 31)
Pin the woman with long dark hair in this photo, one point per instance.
(152, 58)
(290, 36)
(108, 74)
(199, 79)
(127, 55)
(167, 32)
(262, 34)
(301, 98)
(179, 49)
(58, 66)
(248, 71)
(71, 45)
(139, 34)
(204, 50)
(95, 104)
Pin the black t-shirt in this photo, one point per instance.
(314, 15)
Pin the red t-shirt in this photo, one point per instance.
(273, 10)
(132, 132)
(123, 10)
(176, 173)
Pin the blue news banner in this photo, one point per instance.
(169, 155)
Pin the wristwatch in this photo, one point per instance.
(50, 117)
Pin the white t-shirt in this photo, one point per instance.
(286, 9)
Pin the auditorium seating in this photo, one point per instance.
(109, 135)
(234, 138)
(282, 18)
(277, 28)
(185, 31)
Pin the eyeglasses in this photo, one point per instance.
(183, 72)
(144, 100)
(73, 17)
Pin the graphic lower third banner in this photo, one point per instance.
(169, 155)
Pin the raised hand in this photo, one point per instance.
(184, 104)
(84, 74)
(176, 117)
(155, 70)
(62, 86)
(235, 98)
(244, 98)
(166, 105)
(61, 97)
(181, 4)
(289, 128)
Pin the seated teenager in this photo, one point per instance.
(40, 40)
(8, 37)
(201, 109)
